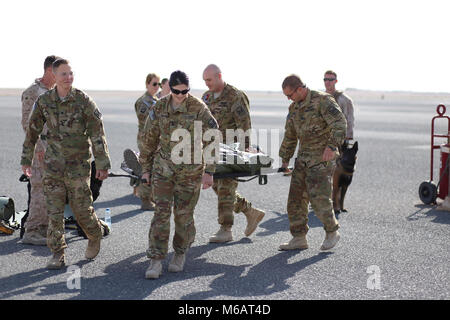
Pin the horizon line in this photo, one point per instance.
(261, 91)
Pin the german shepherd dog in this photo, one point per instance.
(343, 174)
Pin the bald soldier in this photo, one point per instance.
(74, 127)
(230, 107)
(37, 221)
(317, 123)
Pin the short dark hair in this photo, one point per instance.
(48, 62)
(163, 81)
(292, 81)
(178, 77)
(331, 72)
(59, 62)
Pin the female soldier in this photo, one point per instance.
(142, 107)
(174, 182)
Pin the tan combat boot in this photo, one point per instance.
(147, 205)
(254, 216)
(57, 261)
(330, 241)
(177, 262)
(92, 249)
(154, 270)
(34, 237)
(298, 242)
(223, 235)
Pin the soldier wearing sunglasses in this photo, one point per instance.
(316, 123)
(174, 184)
(343, 100)
(230, 107)
(142, 107)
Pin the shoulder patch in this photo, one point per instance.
(333, 110)
(213, 123)
(97, 114)
(206, 97)
(240, 111)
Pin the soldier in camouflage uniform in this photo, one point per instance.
(174, 184)
(142, 107)
(230, 107)
(316, 121)
(74, 126)
(37, 221)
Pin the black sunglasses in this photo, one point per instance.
(329, 79)
(156, 84)
(175, 91)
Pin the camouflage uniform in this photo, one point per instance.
(346, 104)
(317, 122)
(74, 125)
(177, 184)
(232, 111)
(142, 108)
(37, 219)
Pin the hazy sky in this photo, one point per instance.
(376, 45)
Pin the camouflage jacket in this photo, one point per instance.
(231, 109)
(161, 123)
(74, 125)
(346, 104)
(29, 96)
(142, 107)
(316, 122)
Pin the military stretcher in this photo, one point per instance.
(261, 174)
(232, 163)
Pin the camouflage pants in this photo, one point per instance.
(311, 185)
(145, 192)
(183, 192)
(80, 200)
(229, 200)
(37, 219)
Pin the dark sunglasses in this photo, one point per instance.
(156, 84)
(175, 91)
(329, 79)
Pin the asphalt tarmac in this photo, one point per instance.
(392, 246)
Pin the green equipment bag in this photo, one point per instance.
(233, 160)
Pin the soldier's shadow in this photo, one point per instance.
(281, 223)
(117, 202)
(260, 280)
(24, 283)
(13, 246)
(125, 279)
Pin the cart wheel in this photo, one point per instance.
(428, 192)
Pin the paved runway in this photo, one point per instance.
(392, 246)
